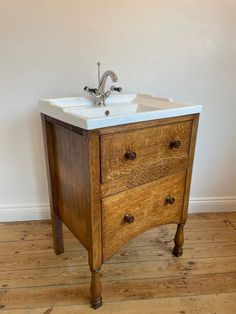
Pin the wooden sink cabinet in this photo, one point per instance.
(110, 185)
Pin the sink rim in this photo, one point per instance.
(62, 109)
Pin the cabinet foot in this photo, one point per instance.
(96, 289)
(57, 234)
(179, 240)
(177, 251)
(95, 304)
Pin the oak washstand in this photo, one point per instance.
(113, 177)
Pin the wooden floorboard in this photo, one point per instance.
(163, 235)
(230, 215)
(125, 255)
(233, 223)
(119, 291)
(142, 270)
(141, 278)
(203, 304)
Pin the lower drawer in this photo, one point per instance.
(129, 213)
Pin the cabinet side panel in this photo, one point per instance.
(70, 149)
(190, 166)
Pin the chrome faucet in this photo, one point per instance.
(99, 93)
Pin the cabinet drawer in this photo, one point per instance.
(131, 158)
(152, 204)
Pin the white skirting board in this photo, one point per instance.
(21, 211)
(212, 204)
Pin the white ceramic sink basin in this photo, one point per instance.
(119, 109)
(112, 110)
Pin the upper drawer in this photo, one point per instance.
(139, 156)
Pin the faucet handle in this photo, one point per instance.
(91, 90)
(117, 89)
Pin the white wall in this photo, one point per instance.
(182, 49)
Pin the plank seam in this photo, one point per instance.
(123, 280)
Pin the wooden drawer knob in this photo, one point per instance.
(130, 155)
(170, 200)
(128, 218)
(175, 143)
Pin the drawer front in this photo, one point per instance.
(152, 204)
(132, 158)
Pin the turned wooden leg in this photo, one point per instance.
(96, 289)
(57, 234)
(179, 240)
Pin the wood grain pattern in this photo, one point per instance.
(110, 185)
(147, 204)
(230, 215)
(143, 125)
(190, 166)
(165, 167)
(179, 240)
(128, 290)
(210, 303)
(51, 164)
(77, 185)
(41, 229)
(144, 271)
(128, 254)
(233, 223)
(65, 125)
(161, 238)
(96, 290)
(115, 272)
(72, 181)
(95, 217)
(152, 146)
(94, 208)
(211, 236)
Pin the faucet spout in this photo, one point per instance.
(103, 80)
(99, 93)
